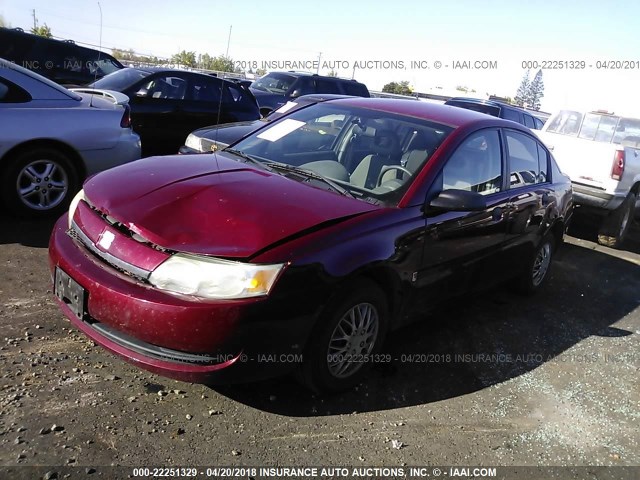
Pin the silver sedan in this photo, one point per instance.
(52, 138)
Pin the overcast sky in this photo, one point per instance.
(372, 33)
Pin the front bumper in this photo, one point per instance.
(179, 337)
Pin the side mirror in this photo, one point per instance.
(296, 93)
(143, 92)
(457, 201)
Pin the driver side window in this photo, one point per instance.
(476, 165)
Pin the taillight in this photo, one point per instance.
(126, 117)
(618, 165)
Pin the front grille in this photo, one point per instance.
(139, 273)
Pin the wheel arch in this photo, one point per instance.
(557, 230)
(384, 277)
(66, 149)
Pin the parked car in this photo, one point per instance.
(302, 246)
(599, 151)
(168, 104)
(62, 61)
(52, 138)
(498, 109)
(216, 137)
(393, 95)
(277, 88)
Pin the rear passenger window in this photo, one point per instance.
(303, 86)
(205, 92)
(528, 161)
(11, 93)
(326, 86)
(355, 89)
(511, 115)
(528, 121)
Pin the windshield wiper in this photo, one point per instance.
(248, 158)
(310, 174)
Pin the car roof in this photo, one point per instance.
(152, 70)
(445, 114)
(295, 73)
(494, 103)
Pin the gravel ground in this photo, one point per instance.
(563, 391)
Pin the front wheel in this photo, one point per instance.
(39, 182)
(344, 343)
(616, 225)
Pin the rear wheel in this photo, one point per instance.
(39, 182)
(538, 267)
(616, 226)
(348, 335)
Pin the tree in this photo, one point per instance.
(536, 91)
(332, 73)
(522, 95)
(188, 59)
(43, 31)
(400, 88)
(131, 56)
(219, 63)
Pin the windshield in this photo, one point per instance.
(104, 66)
(274, 83)
(370, 155)
(121, 79)
(597, 126)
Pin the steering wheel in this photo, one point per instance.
(390, 168)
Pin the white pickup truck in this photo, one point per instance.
(600, 152)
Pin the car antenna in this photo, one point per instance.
(222, 80)
(95, 70)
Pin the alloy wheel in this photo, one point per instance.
(353, 338)
(42, 184)
(541, 263)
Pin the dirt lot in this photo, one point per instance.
(564, 392)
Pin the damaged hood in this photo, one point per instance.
(213, 204)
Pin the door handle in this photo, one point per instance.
(497, 214)
(545, 199)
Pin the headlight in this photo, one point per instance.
(214, 278)
(194, 142)
(74, 204)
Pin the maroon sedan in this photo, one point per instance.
(305, 244)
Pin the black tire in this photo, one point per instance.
(50, 195)
(319, 369)
(616, 226)
(538, 266)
